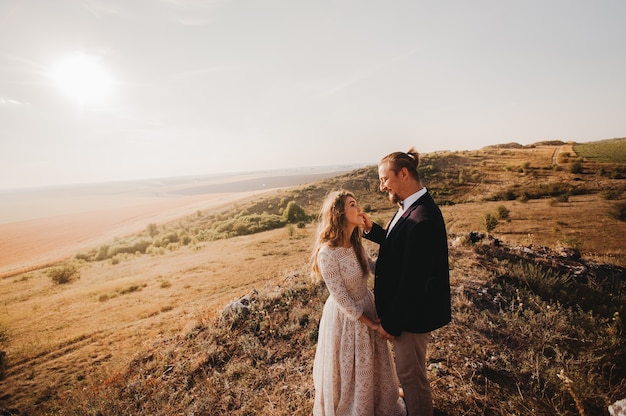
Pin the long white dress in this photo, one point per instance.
(353, 371)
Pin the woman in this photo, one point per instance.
(353, 371)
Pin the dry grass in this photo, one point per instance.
(542, 223)
(59, 334)
(138, 333)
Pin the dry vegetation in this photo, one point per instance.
(132, 327)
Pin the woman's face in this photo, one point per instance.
(353, 214)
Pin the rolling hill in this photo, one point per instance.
(138, 328)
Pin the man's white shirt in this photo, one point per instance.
(405, 204)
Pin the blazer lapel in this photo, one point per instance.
(398, 223)
(404, 216)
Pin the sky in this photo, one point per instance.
(116, 90)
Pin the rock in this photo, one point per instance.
(239, 308)
(568, 253)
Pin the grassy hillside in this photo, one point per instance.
(604, 151)
(529, 336)
(546, 194)
(538, 300)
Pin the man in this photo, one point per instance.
(412, 281)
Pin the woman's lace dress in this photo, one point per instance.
(353, 371)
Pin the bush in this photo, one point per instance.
(618, 211)
(611, 194)
(490, 222)
(85, 256)
(63, 274)
(294, 212)
(133, 247)
(536, 191)
(103, 253)
(152, 230)
(503, 212)
(560, 199)
(576, 167)
(171, 237)
(245, 224)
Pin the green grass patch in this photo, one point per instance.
(606, 151)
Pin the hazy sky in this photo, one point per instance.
(95, 90)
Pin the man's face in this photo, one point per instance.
(390, 183)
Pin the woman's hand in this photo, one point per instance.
(381, 331)
(372, 324)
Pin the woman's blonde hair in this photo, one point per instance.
(331, 226)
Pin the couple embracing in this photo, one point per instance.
(354, 371)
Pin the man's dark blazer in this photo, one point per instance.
(412, 278)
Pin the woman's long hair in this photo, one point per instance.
(331, 229)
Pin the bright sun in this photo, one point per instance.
(81, 77)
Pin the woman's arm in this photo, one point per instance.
(329, 268)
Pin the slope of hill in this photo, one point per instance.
(536, 330)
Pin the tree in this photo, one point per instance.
(294, 212)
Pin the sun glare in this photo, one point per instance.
(81, 77)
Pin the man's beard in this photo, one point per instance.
(393, 197)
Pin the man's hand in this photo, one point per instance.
(368, 223)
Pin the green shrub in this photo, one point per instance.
(63, 274)
(130, 289)
(294, 212)
(560, 199)
(490, 222)
(85, 256)
(611, 194)
(503, 213)
(576, 167)
(103, 253)
(170, 237)
(131, 247)
(152, 230)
